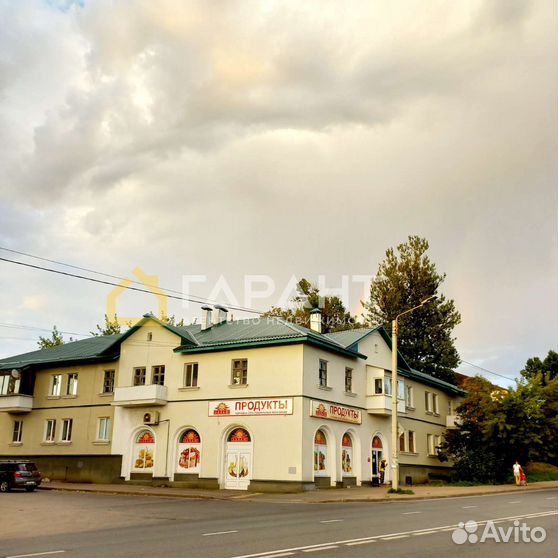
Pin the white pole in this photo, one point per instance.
(394, 394)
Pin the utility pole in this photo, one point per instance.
(395, 395)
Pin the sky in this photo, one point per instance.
(251, 142)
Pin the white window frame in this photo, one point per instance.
(400, 390)
(239, 375)
(403, 436)
(349, 376)
(410, 392)
(50, 431)
(66, 430)
(435, 404)
(388, 386)
(55, 385)
(17, 432)
(430, 444)
(412, 448)
(322, 378)
(106, 429)
(191, 377)
(158, 372)
(72, 385)
(109, 379)
(428, 402)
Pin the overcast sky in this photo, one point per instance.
(281, 138)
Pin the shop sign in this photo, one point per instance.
(332, 411)
(243, 407)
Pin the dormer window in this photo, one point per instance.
(150, 336)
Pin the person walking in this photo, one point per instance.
(517, 470)
(383, 465)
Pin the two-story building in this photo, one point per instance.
(261, 403)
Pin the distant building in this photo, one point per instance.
(259, 404)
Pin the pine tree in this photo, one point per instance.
(405, 278)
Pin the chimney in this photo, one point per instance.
(206, 317)
(316, 320)
(220, 314)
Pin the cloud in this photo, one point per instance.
(280, 138)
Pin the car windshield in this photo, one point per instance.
(27, 467)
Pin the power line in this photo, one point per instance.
(489, 371)
(85, 278)
(33, 328)
(195, 299)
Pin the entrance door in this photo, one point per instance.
(238, 460)
(377, 455)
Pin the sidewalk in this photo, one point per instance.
(355, 494)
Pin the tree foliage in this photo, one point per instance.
(405, 278)
(547, 368)
(335, 316)
(110, 327)
(498, 427)
(56, 339)
(172, 320)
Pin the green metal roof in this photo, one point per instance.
(351, 337)
(92, 349)
(257, 332)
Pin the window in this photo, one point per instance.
(55, 385)
(158, 375)
(50, 430)
(430, 444)
(104, 429)
(378, 385)
(387, 386)
(239, 376)
(435, 407)
(18, 431)
(66, 430)
(402, 442)
(8, 384)
(108, 381)
(400, 390)
(412, 448)
(437, 443)
(150, 336)
(191, 374)
(428, 401)
(139, 376)
(71, 387)
(348, 380)
(410, 402)
(323, 373)
(450, 407)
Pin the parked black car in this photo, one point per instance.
(19, 474)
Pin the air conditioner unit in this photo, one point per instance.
(151, 418)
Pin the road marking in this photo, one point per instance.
(331, 520)
(393, 538)
(364, 540)
(321, 548)
(551, 498)
(218, 533)
(280, 555)
(410, 513)
(36, 554)
(469, 507)
(515, 502)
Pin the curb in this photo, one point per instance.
(254, 497)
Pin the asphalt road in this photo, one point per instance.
(70, 524)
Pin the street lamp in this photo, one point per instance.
(394, 395)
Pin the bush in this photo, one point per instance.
(541, 472)
(400, 491)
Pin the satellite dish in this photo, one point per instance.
(16, 374)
